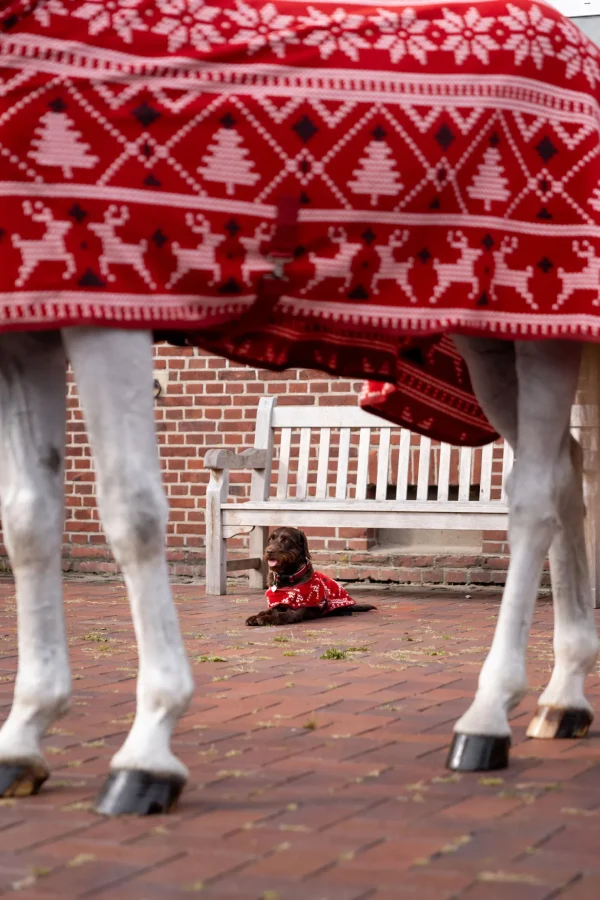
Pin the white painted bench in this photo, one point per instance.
(337, 466)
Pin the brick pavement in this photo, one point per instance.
(311, 778)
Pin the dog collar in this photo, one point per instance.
(291, 580)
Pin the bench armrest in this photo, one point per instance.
(228, 459)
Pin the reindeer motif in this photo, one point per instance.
(391, 269)
(201, 258)
(338, 266)
(518, 279)
(253, 261)
(115, 251)
(49, 248)
(588, 279)
(460, 272)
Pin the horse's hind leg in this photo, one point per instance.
(32, 436)
(113, 371)
(529, 403)
(563, 710)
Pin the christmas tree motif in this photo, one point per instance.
(58, 144)
(226, 161)
(490, 182)
(377, 173)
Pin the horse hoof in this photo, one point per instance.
(21, 779)
(478, 753)
(130, 792)
(550, 722)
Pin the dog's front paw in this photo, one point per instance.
(262, 618)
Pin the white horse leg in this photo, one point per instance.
(113, 371)
(32, 437)
(538, 492)
(564, 711)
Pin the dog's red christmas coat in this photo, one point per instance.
(320, 591)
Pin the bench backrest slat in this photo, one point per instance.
(485, 480)
(362, 471)
(424, 467)
(403, 465)
(284, 463)
(383, 464)
(444, 472)
(464, 473)
(303, 465)
(341, 486)
(323, 464)
(260, 481)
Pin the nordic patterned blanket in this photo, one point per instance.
(332, 185)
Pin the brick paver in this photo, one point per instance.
(311, 778)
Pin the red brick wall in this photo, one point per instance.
(208, 403)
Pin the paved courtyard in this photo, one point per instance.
(312, 778)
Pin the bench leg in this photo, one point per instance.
(257, 579)
(216, 545)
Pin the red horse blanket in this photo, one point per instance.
(328, 185)
(320, 590)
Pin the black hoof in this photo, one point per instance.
(21, 779)
(553, 723)
(478, 753)
(135, 793)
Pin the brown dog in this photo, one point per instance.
(296, 592)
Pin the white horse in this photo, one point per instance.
(113, 371)
(526, 388)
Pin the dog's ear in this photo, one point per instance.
(305, 549)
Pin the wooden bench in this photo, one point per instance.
(339, 466)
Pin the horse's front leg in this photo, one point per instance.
(113, 371)
(32, 437)
(546, 379)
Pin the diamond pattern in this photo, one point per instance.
(546, 149)
(9, 22)
(146, 114)
(159, 238)
(58, 105)
(77, 213)
(305, 129)
(90, 279)
(368, 236)
(444, 137)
